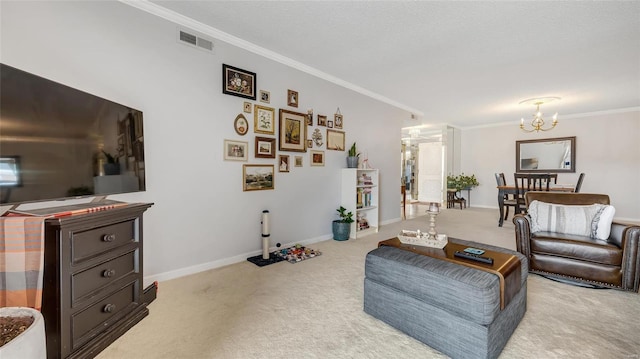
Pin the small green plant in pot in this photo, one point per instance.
(342, 227)
(352, 158)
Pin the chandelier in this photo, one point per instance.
(537, 123)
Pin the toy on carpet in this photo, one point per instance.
(297, 253)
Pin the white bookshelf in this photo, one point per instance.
(364, 205)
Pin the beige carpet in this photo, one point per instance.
(313, 309)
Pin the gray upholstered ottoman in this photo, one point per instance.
(452, 308)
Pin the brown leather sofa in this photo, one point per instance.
(581, 260)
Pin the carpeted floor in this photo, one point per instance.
(313, 309)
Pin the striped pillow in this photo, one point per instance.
(567, 219)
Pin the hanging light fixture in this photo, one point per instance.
(537, 123)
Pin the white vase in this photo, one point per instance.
(30, 344)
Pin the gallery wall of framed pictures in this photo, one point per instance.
(276, 133)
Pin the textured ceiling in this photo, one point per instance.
(463, 63)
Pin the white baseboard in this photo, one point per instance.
(223, 262)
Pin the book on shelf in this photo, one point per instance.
(363, 197)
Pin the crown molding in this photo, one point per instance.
(182, 20)
(564, 117)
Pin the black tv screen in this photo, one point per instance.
(58, 142)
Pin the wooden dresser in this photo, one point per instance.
(93, 290)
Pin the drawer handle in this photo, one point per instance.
(108, 237)
(108, 273)
(109, 308)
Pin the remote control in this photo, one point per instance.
(474, 250)
(473, 257)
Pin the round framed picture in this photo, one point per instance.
(241, 125)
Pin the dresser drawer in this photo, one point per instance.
(100, 276)
(92, 321)
(93, 242)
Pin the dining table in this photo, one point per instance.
(504, 190)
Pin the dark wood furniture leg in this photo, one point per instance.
(501, 206)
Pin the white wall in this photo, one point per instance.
(201, 217)
(607, 151)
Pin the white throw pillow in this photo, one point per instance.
(603, 229)
(568, 219)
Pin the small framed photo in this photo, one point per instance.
(284, 163)
(235, 150)
(298, 161)
(241, 125)
(330, 124)
(265, 96)
(292, 98)
(238, 82)
(264, 120)
(265, 147)
(257, 177)
(247, 107)
(335, 140)
(309, 143)
(317, 158)
(292, 131)
(322, 120)
(337, 120)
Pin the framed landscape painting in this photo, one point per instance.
(293, 131)
(257, 177)
(238, 82)
(265, 147)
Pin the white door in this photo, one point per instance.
(430, 172)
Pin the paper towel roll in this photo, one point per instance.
(265, 234)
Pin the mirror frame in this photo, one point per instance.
(548, 170)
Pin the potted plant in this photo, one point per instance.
(112, 167)
(342, 226)
(462, 182)
(352, 158)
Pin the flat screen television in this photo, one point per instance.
(58, 142)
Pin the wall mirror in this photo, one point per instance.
(546, 155)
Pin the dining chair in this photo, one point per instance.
(529, 182)
(579, 184)
(509, 201)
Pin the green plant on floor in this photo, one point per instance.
(462, 181)
(345, 217)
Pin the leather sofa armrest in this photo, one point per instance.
(617, 235)
(628, 238)
(523, 234)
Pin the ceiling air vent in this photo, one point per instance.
(196, 41)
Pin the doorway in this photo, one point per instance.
(428, 155)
